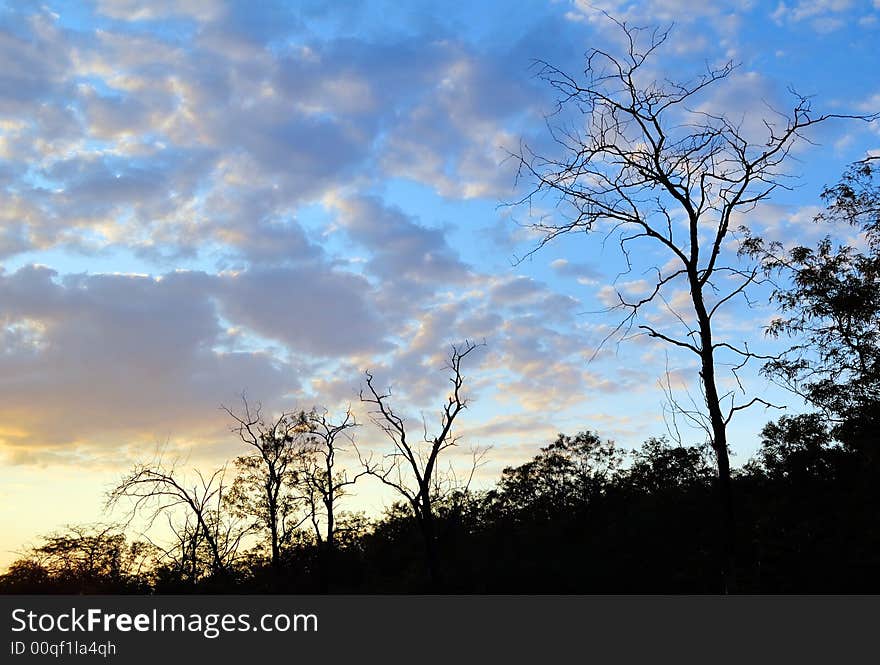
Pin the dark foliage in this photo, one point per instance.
(581, 517)
(831, 308)
(84, 559)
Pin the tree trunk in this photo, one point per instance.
(429, 535)
(726, 523)
(273, 529)
(328, 550)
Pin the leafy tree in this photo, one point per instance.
(568, 472)
(831, 306)
(813, 510)
(83, 559)
(798, 448)
(265, 488)
(657, 467)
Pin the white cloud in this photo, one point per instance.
(132, 10)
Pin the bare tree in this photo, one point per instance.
(321, 479)
(412, 469)
(183, 554)
(265, 487)
(155, 490)
(646, 167)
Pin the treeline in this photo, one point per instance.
(580, 517)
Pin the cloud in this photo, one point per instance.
(35, 58)
(810, 9)
(719, 19)
(318, 312)
(401, 249)
(824, 16)
(198, 140)
(585, 273)
(147, 139)
(100, 361)
(131, 10)
(458, 134)
(264, 241)
(748, 99)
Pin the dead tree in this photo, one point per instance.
(640, 164)
(183, 553)
(154, 490)
(265, 487)
(412, 469)
(321, 479)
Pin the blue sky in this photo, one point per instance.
(204, 198)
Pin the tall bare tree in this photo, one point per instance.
(412, 468)
(641, 163)
(322, 481)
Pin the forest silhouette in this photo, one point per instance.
(574, 519)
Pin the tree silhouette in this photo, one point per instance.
(830, 305)
(799, 447)
(658, 467)
(580, 517)
(640, 163)
(570, 471)
(322, 481)
(94, 558)
(266, 486)
(152, 490)
(412, 469)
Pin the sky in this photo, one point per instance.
(204, 199)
